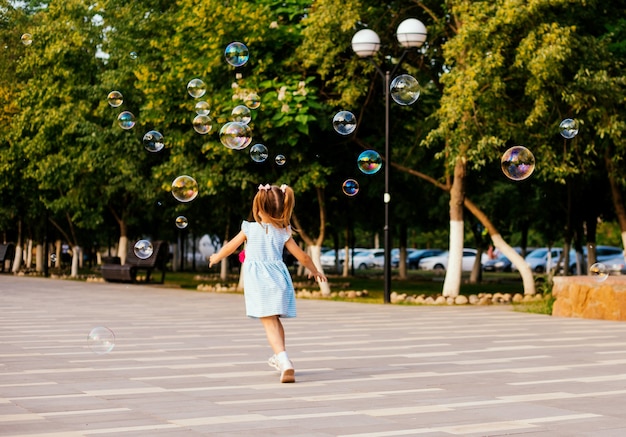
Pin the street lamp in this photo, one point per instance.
(411, 34)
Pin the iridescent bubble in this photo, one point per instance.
(569, 128)
(258, 153)
(153, 141)
(404, 89)
(280, 160)
(143, 249)
(236, 135)
(27, 39)
(518, 163)
(126, 120)
(202, 124)
(344, 122)
(599, 272)
(101, 340)
(202, 108)
(369, 161)
(181, 222)
(350, 187)
(115, 99)
(184, 188)
(196, 88)
(133, 55)
(252, 101)
(241, 113)
(236, 54)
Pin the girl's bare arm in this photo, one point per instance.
(304, 259)
(227, 249)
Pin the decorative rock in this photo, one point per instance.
(518, 298)
(485, 300)
(351, 294)
(450, 300)
(419, 299)
(461, 300)
(440, 300)
(429, 300)
(473, 299)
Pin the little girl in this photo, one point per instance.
(268, 289)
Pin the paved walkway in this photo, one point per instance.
(187, 363)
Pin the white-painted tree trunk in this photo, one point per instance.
(17, 260)
(39, 258)
(518, 261)
(224, 266)
(29, 254)
(316, 253)
(76, 254)
(452, 281)
(122, 248)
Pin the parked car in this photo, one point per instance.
(615, 266)
(539, 263)
(395, 256)
(500, 263)
(369, 259)
(414, 258)
(440, 262)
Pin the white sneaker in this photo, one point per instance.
(287, 372)
(273, 362)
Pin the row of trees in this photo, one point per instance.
(493, 75)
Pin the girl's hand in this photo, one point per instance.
(319, 277)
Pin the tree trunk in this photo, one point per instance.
(452, 282)
(17, 259)
(76, 255)
(402, 264)
(39, 258)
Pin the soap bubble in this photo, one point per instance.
(568, 128)
(404, 89)
(236, 54)
(153, 141)
(126, 120)
(599, 272)
(350, 187)
(202, 108)
(133, 55)
(252, 101)
(143, 249)
(184, 188)
(115, 99)
(236, 135)
(196, 88)
(369, 162)
(258, 153)
(181, 222)
(202, 124)
(101, 340)
(241, 113)
(518, 163)
(344, 122)
(27, 39)
(280, 160)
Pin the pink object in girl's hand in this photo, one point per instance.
(242, 256)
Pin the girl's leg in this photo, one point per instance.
(275, 333)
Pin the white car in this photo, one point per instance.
(370, 259)
(440, 262)
(329, 258)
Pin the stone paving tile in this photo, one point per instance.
(191, 364)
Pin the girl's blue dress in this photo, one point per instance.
(267, 284)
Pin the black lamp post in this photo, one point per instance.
(411, 34)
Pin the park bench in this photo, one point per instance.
(7, 253)
(113, 271)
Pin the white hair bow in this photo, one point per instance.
(283, 187)
(265, 187)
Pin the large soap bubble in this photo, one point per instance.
(369, 161)
(202, 124)
(196, 88)
(241, 113)
(518, 163)
(203, 108)
(236, 135)
(344, 122)
(115, 99)
(280, 160)
(599, 272)
(404, 89)
(101, 340)
(258, 153)
(153, 141)
(182, 222)
(568, 128)
(184, 188)
(27, 39)
(143, 249)
(126, 120)
(236, 54)
(350, 187)
(252, 101)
